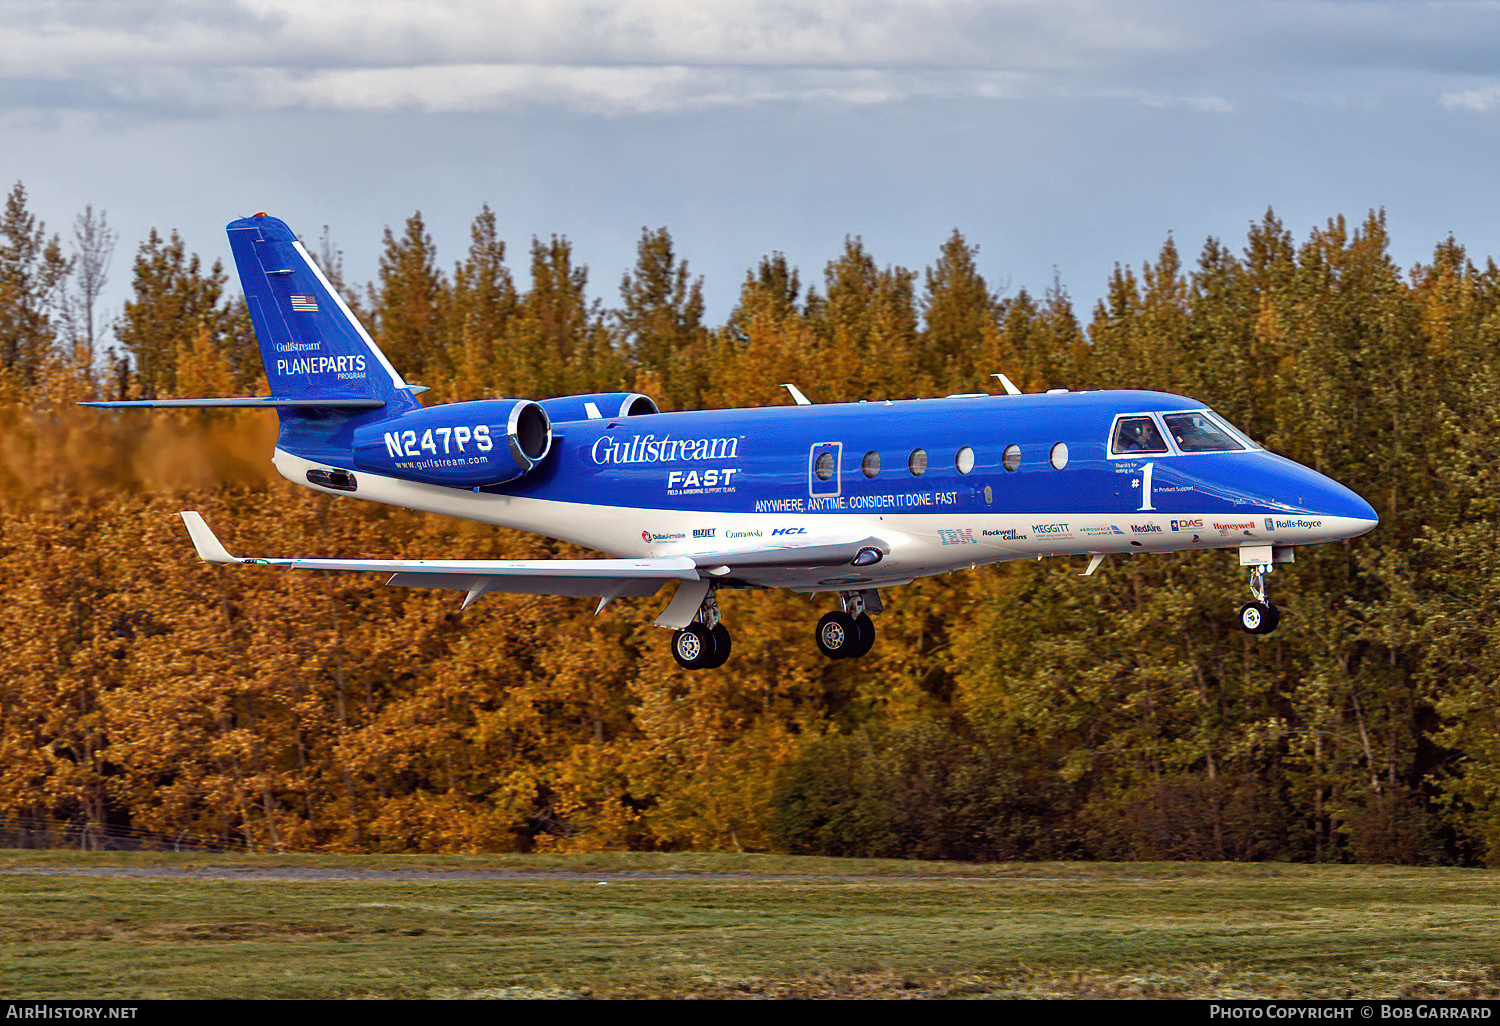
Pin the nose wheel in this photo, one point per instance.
(1259, 617)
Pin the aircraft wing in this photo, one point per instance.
(604, 578)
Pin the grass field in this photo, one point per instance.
(124, 926)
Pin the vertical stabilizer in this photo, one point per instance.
(311, 344)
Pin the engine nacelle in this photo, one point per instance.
(463, 445)
(607, 405)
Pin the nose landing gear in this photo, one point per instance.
(1259, 617)
(848, 633)
(703, 644)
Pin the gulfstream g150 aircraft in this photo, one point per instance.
(845, 498)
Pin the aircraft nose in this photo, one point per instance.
(1341, 506)
(1361, 515)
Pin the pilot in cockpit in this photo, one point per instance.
(1135, 436)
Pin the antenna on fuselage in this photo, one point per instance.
(1010, 386)
(797, 396)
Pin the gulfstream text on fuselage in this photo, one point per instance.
(650, 449)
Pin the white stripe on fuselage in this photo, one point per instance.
(920, 543)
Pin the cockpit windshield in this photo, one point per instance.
(1200, 431)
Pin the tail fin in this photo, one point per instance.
(312, 346)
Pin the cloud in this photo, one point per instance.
(1481, 100)
(641, 56)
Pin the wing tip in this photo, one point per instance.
(210, 549)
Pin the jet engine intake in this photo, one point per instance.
(606, 406)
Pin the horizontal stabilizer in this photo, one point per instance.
(245, 402)
(598, 577)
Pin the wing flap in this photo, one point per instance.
(579, 586)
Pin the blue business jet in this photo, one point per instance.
(847, 498)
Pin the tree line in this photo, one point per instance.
(1019, 711)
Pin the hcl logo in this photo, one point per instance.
(789, 530)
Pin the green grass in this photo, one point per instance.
(726, 925)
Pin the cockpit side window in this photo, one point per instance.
(1197, 432)
(1137, 435)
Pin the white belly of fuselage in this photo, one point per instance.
(920, 543)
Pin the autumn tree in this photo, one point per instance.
(33, 272)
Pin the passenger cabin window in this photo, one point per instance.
(871, 463)
(1195, 432)
(1012, 458)
(823, 466)
(1137, 435)
(964, 460)
(917, 464)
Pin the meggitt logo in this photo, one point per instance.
(1049, 528)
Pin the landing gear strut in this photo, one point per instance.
(703, 644)
(1259, 617)
(848, 633)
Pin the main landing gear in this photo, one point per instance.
(703, 644)
(848, 633)
(1259, 617)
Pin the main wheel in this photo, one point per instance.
(1273, 619)
(1259, 618)
(865, 638)
(719, 635)
(693, 647)
(838, 635)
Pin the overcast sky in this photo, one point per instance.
(1055, 134)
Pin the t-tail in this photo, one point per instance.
(317, 355)
(344, 408)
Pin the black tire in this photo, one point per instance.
(722, 645)
(1258, 618)
(865, 639)
(837, 635)
(1273, 619)
(693, 647)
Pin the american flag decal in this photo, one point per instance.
(306, 304)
